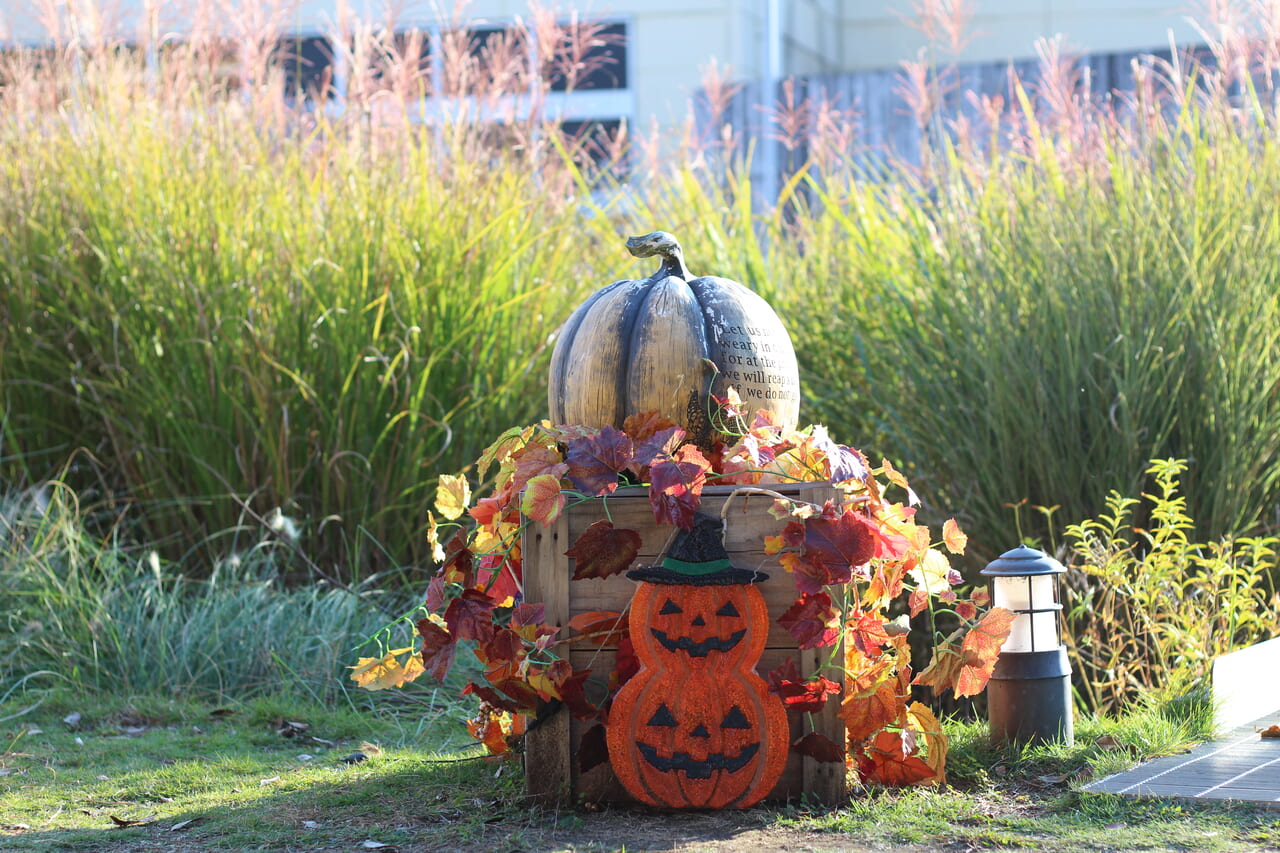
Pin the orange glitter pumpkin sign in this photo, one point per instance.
(696, 727)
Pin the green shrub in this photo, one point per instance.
(1148, 609)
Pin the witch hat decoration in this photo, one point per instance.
(697, 557)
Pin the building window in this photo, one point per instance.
(595, 145)
(307, 64)
(593, 58)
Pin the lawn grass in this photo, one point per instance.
(231, 776)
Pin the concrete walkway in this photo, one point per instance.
(1241, 766)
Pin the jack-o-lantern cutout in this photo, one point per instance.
(696, 727)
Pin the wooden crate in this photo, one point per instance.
(551, 768)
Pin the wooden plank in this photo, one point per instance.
(548, 762)
(826, 781)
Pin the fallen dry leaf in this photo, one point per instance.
(183, 824)
(124, 822)
(1271, 732)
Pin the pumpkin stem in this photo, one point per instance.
(665, 246)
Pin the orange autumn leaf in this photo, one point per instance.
(944, 670)
(543, 499)
(980, 649)
(864, 715)
(387, 671)
(953, 537)
(889, 761)
(896, 477)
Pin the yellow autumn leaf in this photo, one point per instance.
(929, 730)
(953, 537)
(453, 494)
(774, 545)
(433, 539)
(933, 574)
(389, 671)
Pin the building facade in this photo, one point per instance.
(661, 49)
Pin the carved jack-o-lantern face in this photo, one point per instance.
(696, 727)
(699, 625)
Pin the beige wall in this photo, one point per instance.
(876, 37)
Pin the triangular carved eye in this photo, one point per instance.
(669, 608)
(728, 610)
(662, 717)
(698, 620)
(735, 719)
(700, 731)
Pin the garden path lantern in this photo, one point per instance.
(1029, 695)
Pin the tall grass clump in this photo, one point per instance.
(92, 614)
(223, 302)
(1070, 284)
(238, 301)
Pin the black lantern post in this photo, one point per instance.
(1029, 695)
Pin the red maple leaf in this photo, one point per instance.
(470, 617)
(675, 486)
(603, 550)
(843, 543)
(595, 461)
(797, 694)
(661, 443)
(819, 747)
(980, 649)
(499, 578)
(505, 646)
(626, 664)
(534, 461)
(435, 594)
(438, 648)
(572, 685)
(506, 676)
(458, 566)
(888, 760)
(812, 621)
(488, 694)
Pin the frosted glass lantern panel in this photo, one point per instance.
(1030, 631)
(1023, 593)
(1033, 632)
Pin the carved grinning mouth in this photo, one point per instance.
(698, 648)
(695, 769)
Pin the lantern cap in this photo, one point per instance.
(697, 557)
(1023, 562)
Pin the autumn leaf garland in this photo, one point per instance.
(866, 548)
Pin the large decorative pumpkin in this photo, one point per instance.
(696, 727)
(641, 345)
